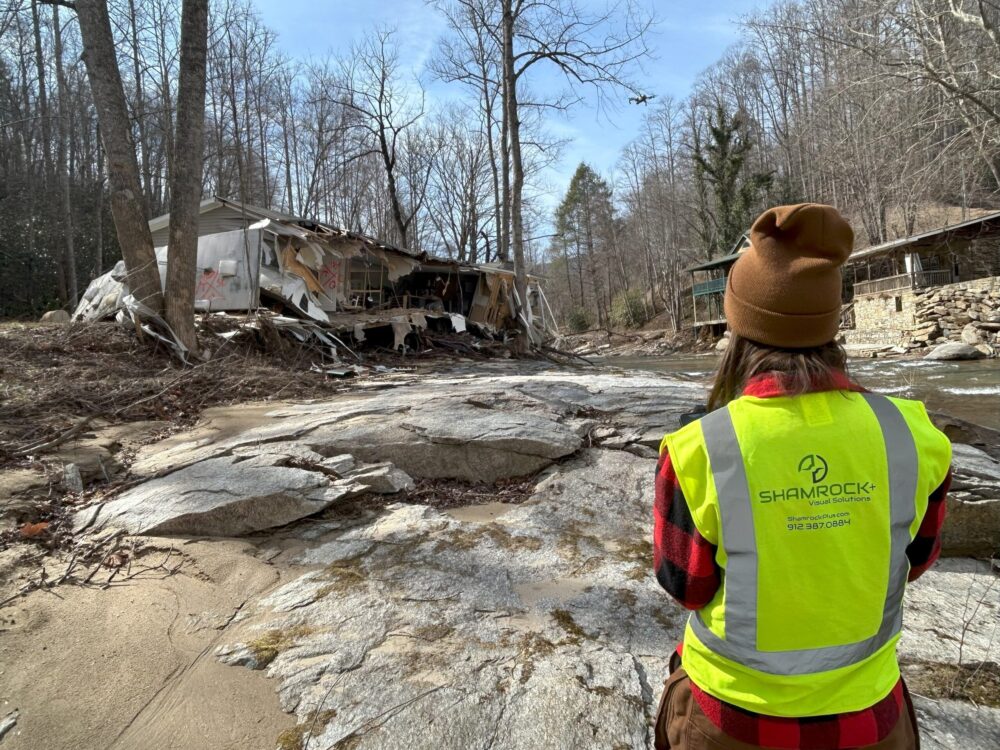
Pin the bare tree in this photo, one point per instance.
(186, 178)
(596, 51)
(372, 89)
(472, 56)
(62, 169)
(127, 202)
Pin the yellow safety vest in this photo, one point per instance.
(811, 501)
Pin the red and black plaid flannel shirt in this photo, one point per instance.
(685, 566)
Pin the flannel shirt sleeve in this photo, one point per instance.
(683, 559)
(926, 545)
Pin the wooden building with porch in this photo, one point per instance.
(961, 252)
(883, 283)
(708, 287)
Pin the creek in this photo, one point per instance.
(967, 390)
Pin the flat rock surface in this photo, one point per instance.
(973, 525)
(542, 627)
(255, 468)
(955, 725)
(536, 624)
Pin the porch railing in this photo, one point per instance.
(709, 287)
(914, 280)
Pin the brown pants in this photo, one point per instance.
(681, 724)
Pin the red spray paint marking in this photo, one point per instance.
(329, 276)
(211, 285)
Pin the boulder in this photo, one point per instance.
(926, 332)
(454, 441)
(339, 464)
(226, 496)
(939, 624)
(55, 316)
(971, 335)
(972, 526)
(954, 351)
(977, 469)
(382, 479)
(722, 344)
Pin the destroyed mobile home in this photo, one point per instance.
(327, 284)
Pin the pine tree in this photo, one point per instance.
(720, 165)
(585, 227)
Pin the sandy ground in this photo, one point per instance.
(132, 666)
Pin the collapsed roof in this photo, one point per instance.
(250, 257)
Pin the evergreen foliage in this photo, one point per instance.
(720, 165)
(628, 309)
(578, 321)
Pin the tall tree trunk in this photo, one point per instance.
(185, 177)
(99, 211)
(503, 228)
(46, 144)
(69, 251)
(128, 205)
(166, 110)
(43, 107)
(499, 198)
(287, 153)
(517, 185)
(140, 106)
(389, 161)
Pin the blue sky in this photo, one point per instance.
(689, 36)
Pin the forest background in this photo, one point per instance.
(888, 109)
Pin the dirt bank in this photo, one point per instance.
(132, 665)
(635, 343)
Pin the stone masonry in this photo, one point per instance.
(966, 312)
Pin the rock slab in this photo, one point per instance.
(954, 351)
(226, 496)
(972, 526)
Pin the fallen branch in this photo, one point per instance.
(59, 440)
(572, 355)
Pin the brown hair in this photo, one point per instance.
(801, 369)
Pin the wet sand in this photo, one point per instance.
(132, 666)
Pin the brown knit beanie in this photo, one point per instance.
(785, 290)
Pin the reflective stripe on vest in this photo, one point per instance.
(739, 541)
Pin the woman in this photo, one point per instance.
(791, 516)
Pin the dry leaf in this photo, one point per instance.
(31, 530)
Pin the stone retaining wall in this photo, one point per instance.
(883, 319)
(967, 312)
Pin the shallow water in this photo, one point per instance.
(967, 390)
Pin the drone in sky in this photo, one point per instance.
(641, 98)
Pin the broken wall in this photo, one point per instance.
(228, 268)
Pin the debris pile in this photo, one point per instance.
(957, 315)
(657, 343)
(335, 283)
